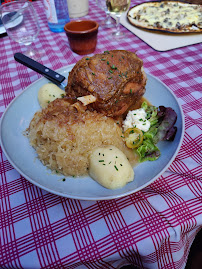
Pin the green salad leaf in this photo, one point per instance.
(162, 120)
(148, 151)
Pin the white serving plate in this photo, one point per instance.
(23, 157)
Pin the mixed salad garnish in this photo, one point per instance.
(145, 127)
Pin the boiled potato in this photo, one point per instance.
(48, 93)
(110, 167)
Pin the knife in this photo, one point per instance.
(41, 69)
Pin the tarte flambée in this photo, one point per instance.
(167, 16)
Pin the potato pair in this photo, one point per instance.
(109, 166)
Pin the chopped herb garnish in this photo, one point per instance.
(106, 51)
(103, 59)
(103, 164)
(125, 75)
(116, 157)
(120, 76)
(108, 62)
(110, 78)
(93, 74)
(116, 167)
(53, 95)
(131, 91)
(117, 122)
(140, 119)
(101, 161)
(116, 101)
(87, 58)
(113, 67)
(48, 102)
(110, 162)
(110, 71)
(121, 164)
(63, 179)
(62, 95)
(56, 171)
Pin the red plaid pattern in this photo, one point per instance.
(153, 228)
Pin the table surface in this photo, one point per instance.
(153, 228)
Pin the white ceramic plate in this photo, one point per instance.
(22, 156)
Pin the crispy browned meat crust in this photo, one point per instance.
(115, 78)
(65, 112)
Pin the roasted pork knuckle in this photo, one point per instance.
(115, 78)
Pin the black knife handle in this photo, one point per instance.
(39, 68)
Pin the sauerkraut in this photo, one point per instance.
(64, 135)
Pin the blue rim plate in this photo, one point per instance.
(23, 157)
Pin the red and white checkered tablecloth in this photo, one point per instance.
(153, 228)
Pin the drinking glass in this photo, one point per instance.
(117, 7)
(108, 22)
(21, 24)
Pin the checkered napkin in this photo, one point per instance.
(153, 228)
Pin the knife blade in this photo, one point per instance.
(48, 73)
